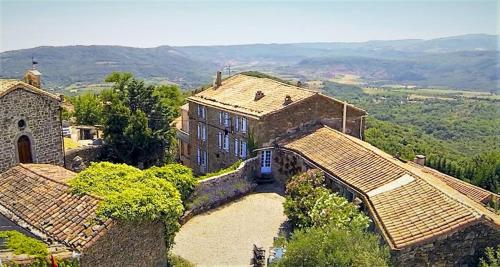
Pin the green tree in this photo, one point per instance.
(88, 109)
(137, 120)
(330, 246)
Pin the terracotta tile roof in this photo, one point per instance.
(8, 85)
(475, 193)
(35, 198)
(409, 205)
(237, 93)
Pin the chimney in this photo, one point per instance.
(344, 118)
(420, 160)
(218, 79)
(33, 77)
(258, 95)
(299, 84)
(288, 100)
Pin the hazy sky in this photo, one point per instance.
(26, 24)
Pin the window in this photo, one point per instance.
(202, 131)
(201, 157)
(236, 147)
(202, 112)
(243, 149)
(226, 142)
(244, 125)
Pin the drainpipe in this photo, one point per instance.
(61, 132)
(344, 117)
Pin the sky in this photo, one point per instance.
(148, 23)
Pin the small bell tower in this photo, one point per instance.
(33, 76)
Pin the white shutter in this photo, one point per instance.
(204, 110)
(236, 123)
(204, 132)
(198, 156)
(226, 142)
(199, 110)
(243, 149)
(219, 138)
(226, 119)
(220, 117)
(236, 146)
(204, 158)
(199, 131)
(244, 125)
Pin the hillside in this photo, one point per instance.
(466, 62)
(63, 66)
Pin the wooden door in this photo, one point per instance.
(24, 149)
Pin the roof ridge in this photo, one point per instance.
(42, 175)
(26, 86)
(56, 181)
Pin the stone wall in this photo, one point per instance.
(217, 158)
(460, 248)
(218, 190)
(87, 155)
(128, 244)
(41, 115)
(314, 110)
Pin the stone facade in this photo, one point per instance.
(36, 116)
(128, 244)
(460, 248)
(218, 190)
(316, 109)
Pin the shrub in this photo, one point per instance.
(337, 211)
(131, 194)
(492, 258)
(330, 246)
(179, 175)
(22, 244)
(308, 203)
(178, 261)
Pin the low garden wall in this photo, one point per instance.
(218, 190)
(86, 154)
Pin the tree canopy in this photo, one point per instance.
(138, 118)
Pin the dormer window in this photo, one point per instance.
(258, 95)
(288, 100)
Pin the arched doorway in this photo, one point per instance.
(24, 149)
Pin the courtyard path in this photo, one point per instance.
(225, 236)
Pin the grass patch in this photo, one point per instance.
(221, 171)
(70, 144)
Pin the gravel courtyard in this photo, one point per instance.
(225, 236)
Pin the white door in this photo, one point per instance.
(265, 161)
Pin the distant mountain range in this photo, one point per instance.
(464, 62)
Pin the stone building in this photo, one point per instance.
(35, 199)
(427, 218)
(243, 112)
(30, 119)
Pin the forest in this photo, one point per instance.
(459, 136)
